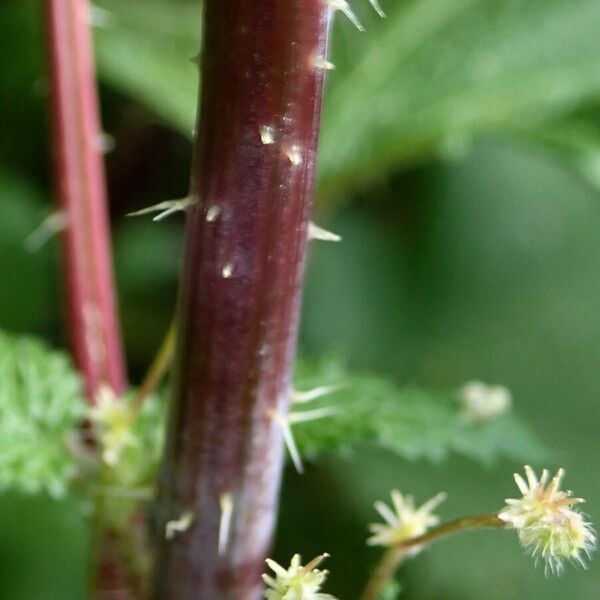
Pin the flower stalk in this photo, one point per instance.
(546, 520)
(245, 244)
(396, 554)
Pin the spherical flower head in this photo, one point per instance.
(297, 582)
(112, 419)
(548, 526)
(405, 521)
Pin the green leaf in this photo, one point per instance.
(575, 140)
(433, 74)
(412, 423)
(41, 404)
(41, 407)
(145, 48)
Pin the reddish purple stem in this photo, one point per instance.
(81, 190)
(80, 185)
(240, 293)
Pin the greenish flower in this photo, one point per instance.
(546, 522)
(405, 521)
(112, 419)
(296, 582)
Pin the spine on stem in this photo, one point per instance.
(263, 65)
(80, 186)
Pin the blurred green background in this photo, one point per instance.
(460, 161)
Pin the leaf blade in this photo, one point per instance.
(410, 423)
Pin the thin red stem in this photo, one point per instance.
(252, 176)
(81, 190)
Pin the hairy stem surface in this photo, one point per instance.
(252, 179)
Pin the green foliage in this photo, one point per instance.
(146, 48)
(411, 423)
(433, 74)
(41, 403)
(575, 140)
(41, 407)
(437, 73)
(488, 265)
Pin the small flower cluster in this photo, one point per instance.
(481, 402)
(546, 522)
(112, 420)
(296, 582)
(405, 521)
(548, 525)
